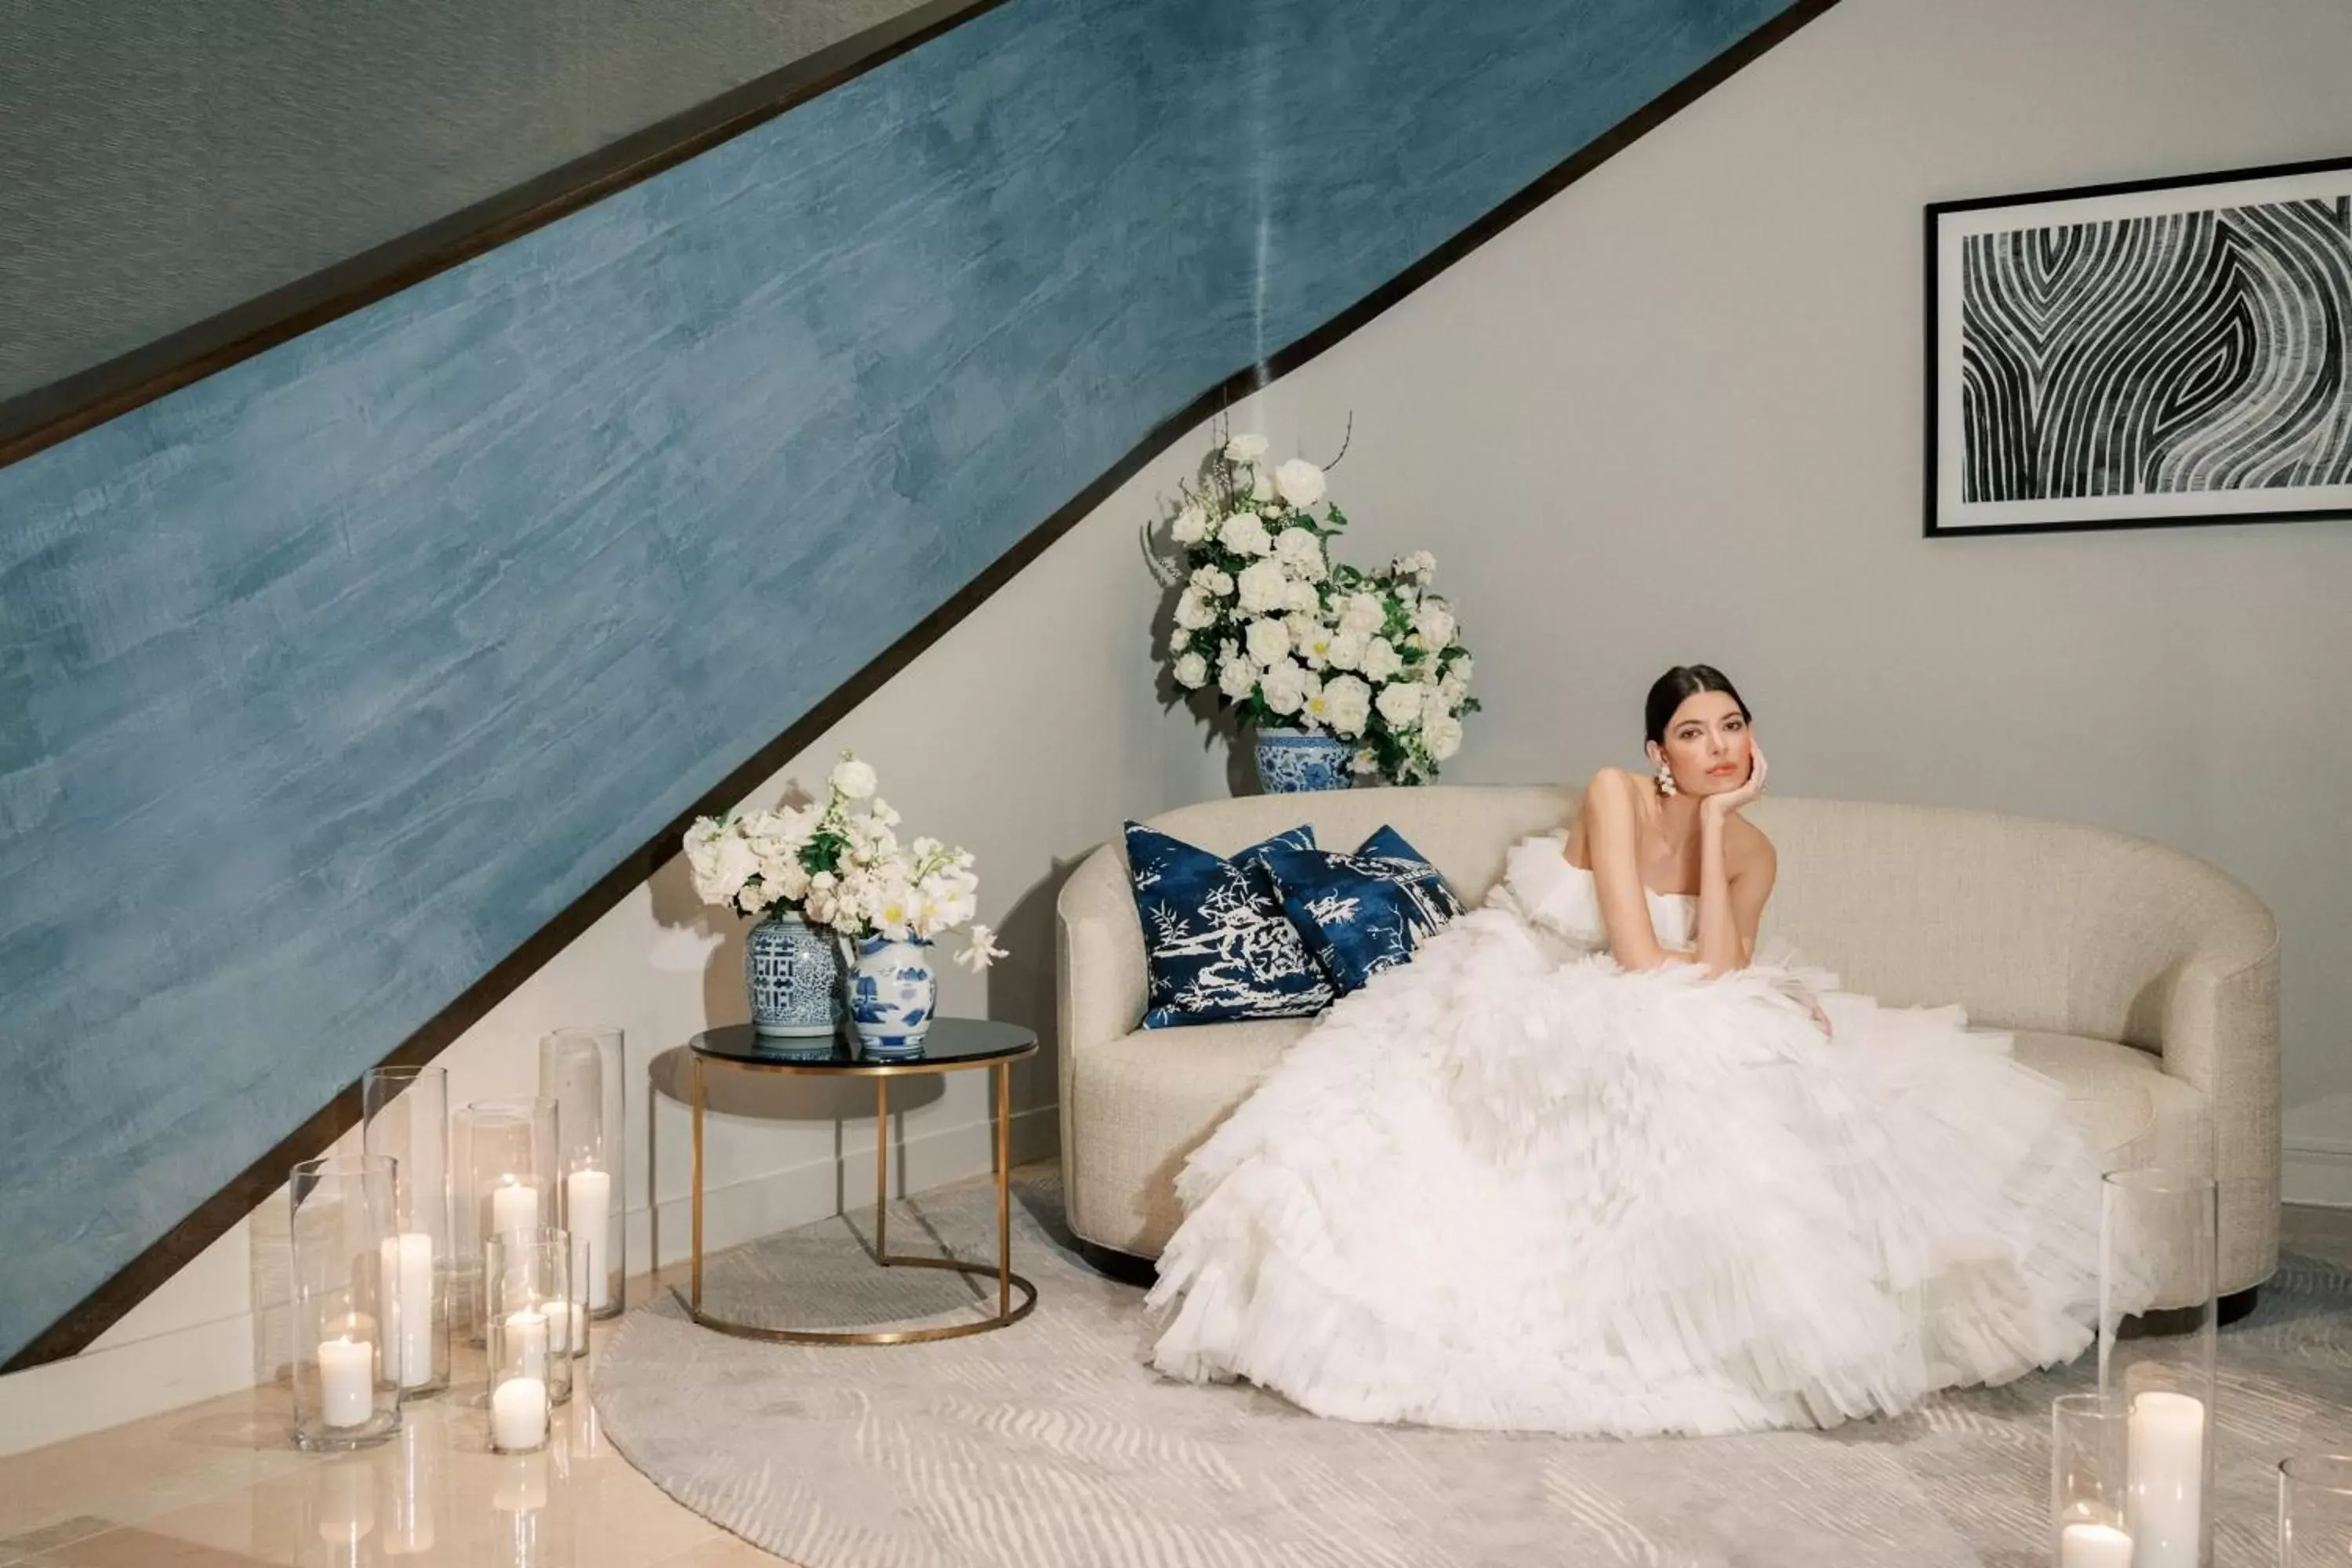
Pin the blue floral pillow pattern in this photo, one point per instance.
(1214, 933)
(1364, 912)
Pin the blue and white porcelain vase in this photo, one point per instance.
(794, 974)
(1290, 760)
(893, 992)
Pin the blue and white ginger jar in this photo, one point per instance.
(794, 974)
(1290, 760)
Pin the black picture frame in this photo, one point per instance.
(2279, 246)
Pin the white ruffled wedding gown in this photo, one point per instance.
(1511, 1184)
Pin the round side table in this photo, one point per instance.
(952, 1044)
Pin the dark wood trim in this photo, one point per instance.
(145, 1273)
(1931, 525)
(33, 421)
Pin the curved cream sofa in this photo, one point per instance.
(2119, 964)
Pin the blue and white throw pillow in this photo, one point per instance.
(1364, 912)
(1214, 935)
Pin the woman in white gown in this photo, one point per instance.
(1582, 1165)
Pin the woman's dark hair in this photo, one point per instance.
(1679, 684)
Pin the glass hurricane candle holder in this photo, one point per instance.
(533, 1313)
(502, 1178)
(346, 1385)
(404, 1114)
(2087, 1457)
(581, 1069)
(2157, 1335)
(2314, 1511)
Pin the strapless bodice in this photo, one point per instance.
(1543, 887)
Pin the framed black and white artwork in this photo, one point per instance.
(2136, 356)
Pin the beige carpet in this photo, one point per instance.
(1052, 1444)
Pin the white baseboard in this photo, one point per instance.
(2317, 1171)
(108, 1385)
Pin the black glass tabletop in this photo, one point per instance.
(957, 1041)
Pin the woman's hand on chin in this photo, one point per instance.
(1719, 808)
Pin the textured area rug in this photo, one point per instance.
(1051, 1442)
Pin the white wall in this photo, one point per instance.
(1676, 415)
(1025, 734)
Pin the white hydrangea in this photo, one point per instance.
(1268, 640)
(1265, 590)
(1192, 671)
(1399, 703)
(1300, 551)
(1244, 534)
(1364, 615)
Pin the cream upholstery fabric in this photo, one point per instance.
(2144, 979)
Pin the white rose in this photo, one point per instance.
(1399, 703)
(1285, 686)
(1303, 627)
(1213, 582)
(1246, 448)
(794, 882)
(1190, 527)
(1264, 588)
(1269, 640)
(1424, 564)
(734, 864)
(852, 778)
(1194, 610)
(702, 842)
(1443, 736)
(1349, 702)
(1364, 615)
(1179, 641)
(1436, 623)
(1261, 485)
(1192, 672)
(1244, 534)
(1301, 553)
(1452, 691)
(1236, 676)
(1299, 482)
(1460, 670)
(1345, 650)
(1304, 599)
(1380, 659)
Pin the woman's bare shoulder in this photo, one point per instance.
(1745, 848)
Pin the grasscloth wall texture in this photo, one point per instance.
(327, 680)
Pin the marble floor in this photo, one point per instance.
(217, 1485)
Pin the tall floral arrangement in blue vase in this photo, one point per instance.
(1334, 669)
(841, 899)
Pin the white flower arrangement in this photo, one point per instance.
(1275, 628)
(841, 868)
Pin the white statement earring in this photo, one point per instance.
(1665, 781)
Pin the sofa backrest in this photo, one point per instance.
(2027, 924)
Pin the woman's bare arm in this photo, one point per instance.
(1612, 843)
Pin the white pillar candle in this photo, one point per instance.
(513, 1206)
(2167, 1478)
(588, 1196)
(518, 1414)
(527, 1342)
(572, 1330)
(408, 1285)
(2094, 1546)
(346, 1381)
